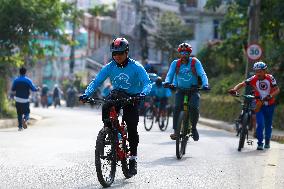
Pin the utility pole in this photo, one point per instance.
(143, 33)
(253, 34)
(72, 50)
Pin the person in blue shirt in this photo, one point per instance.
(21, 88)
(183, 74)
(160, 94)
(129, 78)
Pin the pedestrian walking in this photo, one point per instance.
(21, 88)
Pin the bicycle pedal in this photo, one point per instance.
(250, 142)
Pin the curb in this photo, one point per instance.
(217, 124)
(9, 123)
(231, 128)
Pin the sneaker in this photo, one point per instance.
(267, 144)
(259, 147)
(132, 167)
(173, 136)
(195, 135)
(20, 129)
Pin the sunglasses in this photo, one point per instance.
(184, 53)
(117, 53)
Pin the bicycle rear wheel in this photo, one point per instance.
(149, 118)
(105, 157)
(243, 131)
(181, 135)
(164, 120)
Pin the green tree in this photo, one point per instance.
(234, 38)
(21, 22)
(171, 31)
(102, 10)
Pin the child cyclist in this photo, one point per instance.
(265, 89)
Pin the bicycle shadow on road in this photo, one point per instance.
(118, 183)
(166, 161)
(9, 131)
(249, 151)
(172, 142)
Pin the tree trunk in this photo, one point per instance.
(5, 111)
(2, 96)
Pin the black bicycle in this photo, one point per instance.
(112, 143)
(184, 128)
(245, 120)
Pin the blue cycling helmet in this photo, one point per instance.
(259, 66)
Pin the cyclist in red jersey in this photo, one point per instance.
(265, 89)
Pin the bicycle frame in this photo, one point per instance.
(118, 128)
(245, 119)
(186, 98)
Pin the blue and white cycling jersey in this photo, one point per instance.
(185, 78)
(132, 78)
(160, 91)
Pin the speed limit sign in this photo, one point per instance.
(254, 51)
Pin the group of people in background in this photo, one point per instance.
(46, 97)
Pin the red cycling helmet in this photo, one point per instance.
(185, 47)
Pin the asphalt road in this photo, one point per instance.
(58, 152)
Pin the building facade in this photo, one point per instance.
(131, 13)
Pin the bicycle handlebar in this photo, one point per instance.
(236, 94)
(122, 100)
(173, 87)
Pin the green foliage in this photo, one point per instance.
(22, 22)
(227, 108)
(6, 109)
(220, 107)
(213, 4)
(221, 84)
(171, 32)
(102, 10)
(228, 55)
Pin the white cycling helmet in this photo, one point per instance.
(259, 66)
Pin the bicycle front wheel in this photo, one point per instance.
(181, 134)
(105, 157)
(125, 160)
(149, 118)
(243, 131)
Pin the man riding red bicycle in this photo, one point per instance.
(128, 77)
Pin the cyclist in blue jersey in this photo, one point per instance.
(160, 94)
(183, 74)
(128, 77)
(21, 87)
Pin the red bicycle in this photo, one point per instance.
(112, 143)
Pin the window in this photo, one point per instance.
(215, 29)
(92, 40)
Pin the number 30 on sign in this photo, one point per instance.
(254, 51)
